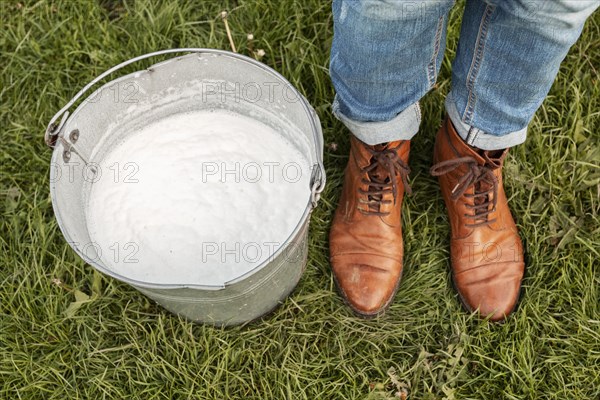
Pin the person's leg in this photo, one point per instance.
(507, 59)
(508, 56)
(385, 56)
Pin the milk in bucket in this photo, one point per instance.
(199, 197)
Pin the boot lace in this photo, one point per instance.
(380, 184)
(485, 184)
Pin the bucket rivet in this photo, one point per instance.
(66, 156)
(74, 135)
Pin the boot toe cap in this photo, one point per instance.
(368, 288)
(494, 296)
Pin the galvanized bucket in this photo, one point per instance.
(206, 78)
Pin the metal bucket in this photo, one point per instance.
(205, 79)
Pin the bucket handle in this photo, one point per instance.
(55, 126)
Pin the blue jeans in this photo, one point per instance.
(386, 55)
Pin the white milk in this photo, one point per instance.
(197, 198)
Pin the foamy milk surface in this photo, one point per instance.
(196, 198)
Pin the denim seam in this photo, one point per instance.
(469, 135)
(476, 63)
(475, 137)
(432, 67)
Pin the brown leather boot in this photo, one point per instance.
(365, 240)
(486, 251)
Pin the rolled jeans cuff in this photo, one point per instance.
(403, 126)
(478, 138)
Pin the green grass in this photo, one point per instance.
(121, 345)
